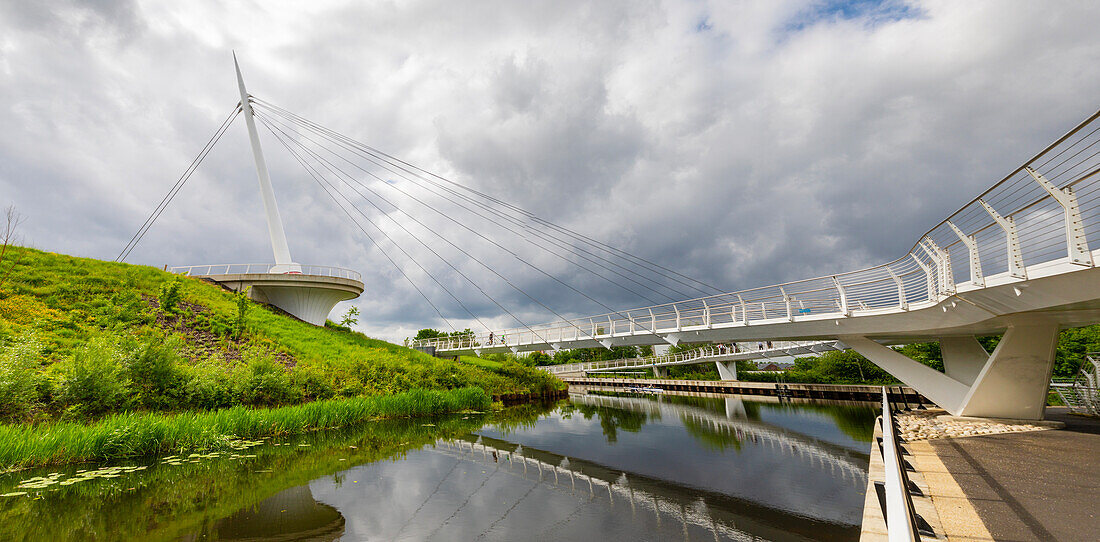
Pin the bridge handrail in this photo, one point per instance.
(901, 518)
(213, 270)
(1041, 212)
(671, 359)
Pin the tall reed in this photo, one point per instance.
(142, 433)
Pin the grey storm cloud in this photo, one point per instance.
(740, 144)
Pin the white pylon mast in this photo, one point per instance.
(283, 261)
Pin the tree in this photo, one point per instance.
(539, 358)
(351, 317)
(429, 333)
(8, 238)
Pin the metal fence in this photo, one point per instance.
(213, 270)
(1082, 395)
(1044, 211)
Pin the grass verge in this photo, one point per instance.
(142, 433)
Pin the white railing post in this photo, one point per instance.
(972, 247)
(706, 313)
(847, 311)
(943, 265)
(932, 295)
(1076, 243)
(744, 310)
(677, 309)
(1012, 240)
(652, 321)
(787, 302)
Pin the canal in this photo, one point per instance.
(596, 466)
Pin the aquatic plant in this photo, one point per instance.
(133, 434)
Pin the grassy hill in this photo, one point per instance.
(80, 338)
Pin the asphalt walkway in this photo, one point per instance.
(1042, 485)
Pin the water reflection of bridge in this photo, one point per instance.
(848, 464)
(726, 517)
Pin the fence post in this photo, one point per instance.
(972, 247)
(1075, 229)
(1012, 240)
(844, 308)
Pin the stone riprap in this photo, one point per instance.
(935, 423)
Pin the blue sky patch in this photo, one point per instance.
(874, 12)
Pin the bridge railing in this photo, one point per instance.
(779, 347)
(213, 270)
(1043, 212)
(902, 521)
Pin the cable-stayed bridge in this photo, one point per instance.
(1014, 260)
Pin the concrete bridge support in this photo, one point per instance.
(727, 370)
(660, 372)
(1012, 382)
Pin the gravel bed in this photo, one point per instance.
(925, 425)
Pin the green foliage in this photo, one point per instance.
(155, 374)
(1073, 345)
(101, 350)
(170, 295)
(137, 434)
(333, 325)
(351, 317)
(926, 353)
(539, 358)
(266, 381)
(209, 385)
(584, 355)
(845, 367)
(94, 379)
(19, 382)
(429, 333)
(240, 299)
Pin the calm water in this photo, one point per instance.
(594, 467)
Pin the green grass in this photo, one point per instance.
(481, 362)
(80, 338)
(133, 434)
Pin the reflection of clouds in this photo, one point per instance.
(761, 471)
(388, 493)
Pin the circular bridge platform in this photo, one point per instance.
(308, 292)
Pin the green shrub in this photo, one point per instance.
(154, 370)
(209, 384)
(94, 379)
(170, 295)
(19, 379)
(126, 308)
(266, 381)
(240, 299)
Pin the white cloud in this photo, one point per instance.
(740, 144)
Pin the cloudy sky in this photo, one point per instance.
(739, 143)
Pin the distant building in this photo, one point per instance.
(774, 367)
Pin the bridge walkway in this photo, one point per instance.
(1042, 485)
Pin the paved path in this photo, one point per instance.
(1043, 485)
